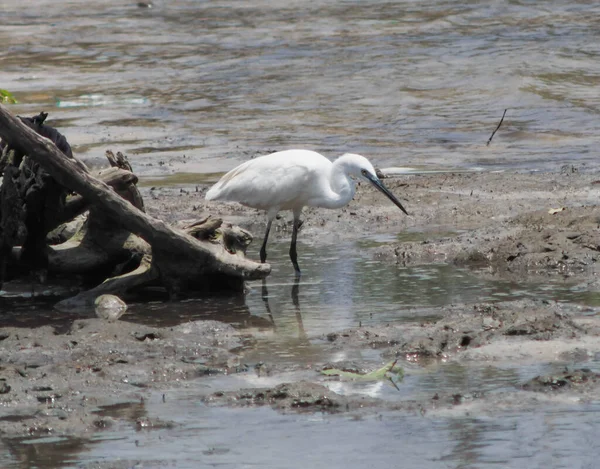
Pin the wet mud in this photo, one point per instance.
(468, 327)
(299, 396)
(514, 225)
(56, 380)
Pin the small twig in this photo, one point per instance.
(494, 132)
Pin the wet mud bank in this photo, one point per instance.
(510, 334)
(56, 380)
(61, 383)
(515, 225)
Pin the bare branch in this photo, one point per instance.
(494, 132)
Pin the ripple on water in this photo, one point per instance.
(417, 83)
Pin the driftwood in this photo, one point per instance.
(118, 247)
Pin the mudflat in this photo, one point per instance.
(502, 225)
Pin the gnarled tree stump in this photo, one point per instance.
(118, 247)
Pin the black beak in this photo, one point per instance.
(379, 185)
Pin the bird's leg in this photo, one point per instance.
(265, 298)
(295, 292)
(263, 249)
(293, 252)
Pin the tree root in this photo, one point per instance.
(119, 248)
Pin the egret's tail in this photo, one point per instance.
(212, 193)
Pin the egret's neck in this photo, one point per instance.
(342, 186)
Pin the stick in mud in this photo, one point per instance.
(496, 130)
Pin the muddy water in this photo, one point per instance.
(288, 321)
(341, 287)
(262, 438)
(563, 437)
(407, 83)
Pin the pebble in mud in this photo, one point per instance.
(4, 386)
(109, 307)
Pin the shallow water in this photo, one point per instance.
(342, 286)
(563, 437)
(187, 85)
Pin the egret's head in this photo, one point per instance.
(358, 166)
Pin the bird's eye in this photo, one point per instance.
(363, 172)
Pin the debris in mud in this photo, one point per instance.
(48, 399)
(345, 367)
(147, 423)
(143, 336)
(565, 380)
(4, 387)
(462, 328)
(457, 398)
(103, 423)
(202, 368)
(107, 363)
(374, 337)
(388, 372)
(302, 395)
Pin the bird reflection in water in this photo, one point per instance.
(295, 300)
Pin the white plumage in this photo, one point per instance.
(291, 180)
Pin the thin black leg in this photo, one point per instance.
(293, 252)
(295, 291)
(263, 249)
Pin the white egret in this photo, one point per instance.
(293, 179)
